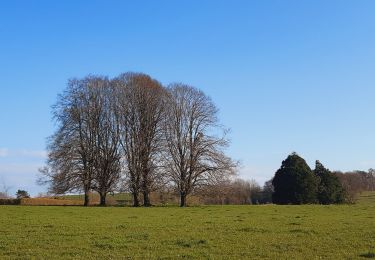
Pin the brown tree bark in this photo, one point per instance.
(87, 198)
(103, 199)
(135, 200)
(182, 199)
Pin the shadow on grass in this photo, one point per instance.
(190, 243)
(368, 255)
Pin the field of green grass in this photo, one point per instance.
(209, 232)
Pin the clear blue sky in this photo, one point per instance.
(286, 75)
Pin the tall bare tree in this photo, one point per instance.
(140, 111)
(4, 190)
(107, 158)
(75, 148)
(195, 154)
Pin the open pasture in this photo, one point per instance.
(209, 232)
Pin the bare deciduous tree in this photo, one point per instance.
(140, 112)
(74, 148)
(4, 190)
(355, 182)
(194, 154)
(107, 158)
(230, 191)
(161, 135)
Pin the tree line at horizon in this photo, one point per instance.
(132, 134)
(237, 191)
(294, 183)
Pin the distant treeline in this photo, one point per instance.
(293, 183)
(296, 183)
(240, 191)
(229, 192)
(132, 134)
(355, 182)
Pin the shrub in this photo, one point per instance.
(10, 201)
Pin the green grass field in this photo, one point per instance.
(209, 232)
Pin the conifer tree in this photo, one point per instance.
(294, 182)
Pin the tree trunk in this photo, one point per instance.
(87, 198)
(182, 199)
(102, 199)
(146, 188)
(135, 199)
(146, 199)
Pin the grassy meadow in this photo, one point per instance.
(208, 232)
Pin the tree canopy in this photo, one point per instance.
(330, 190)
(294, 182)
(21, 194)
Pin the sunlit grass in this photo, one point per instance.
(214, 232)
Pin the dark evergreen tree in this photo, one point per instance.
(330, 190)
(294, 182)
(21, 194)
